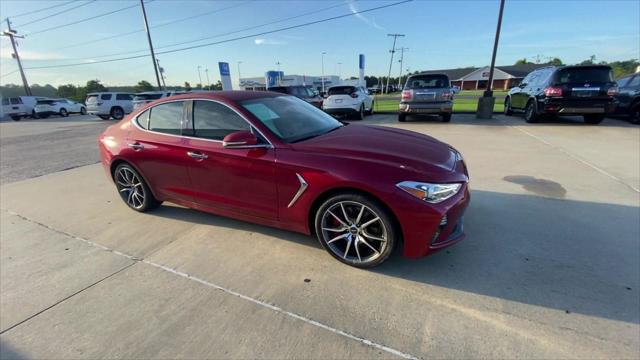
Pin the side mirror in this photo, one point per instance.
(239, 140)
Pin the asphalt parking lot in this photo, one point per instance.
(550, 267)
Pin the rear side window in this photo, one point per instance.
(124, 97)
(342, 90)
(44, 102)
(585, 75)
(5, 101)
(146, 97)
(16, 101)
(214, 121)
(166, 118)
(91, 99)
(427, 82)
(143, 119)
(105, 97)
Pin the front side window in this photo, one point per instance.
(166, 118)
(105, 97)
(290, 118)
(212, 120)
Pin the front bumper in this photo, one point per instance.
(426, 107)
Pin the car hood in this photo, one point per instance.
(395, 147)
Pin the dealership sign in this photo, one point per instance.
(225, 76)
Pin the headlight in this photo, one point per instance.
(432, 193)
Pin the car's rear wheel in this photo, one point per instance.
(15, 117)
(530, 112)
(402, 117)
(634, 114)
(356, 230)
(34, 114)
(83, 111)
(370, 112)
(133, 190)
(593, 119)
(507, 107)
(446, 117)
(104, 117)
(360, 114)
(64, 112)
(117, 113)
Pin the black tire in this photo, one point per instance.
(83, 110)
(370, 111)
(15, 117)
(133, 189)
(64, 112)
(360, 114)
(117, 113)
(507, 107)
(43, 116)
(360, 254)
(34, 114)
(634, 114)
(402, 117)
(446, 117)
(530, 112)
(104, 117)
(593, 119)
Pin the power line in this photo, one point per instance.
(227, 40)
(83, 20)
(40, 10)
(54, 14)
(207, 37)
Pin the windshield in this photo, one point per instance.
(91, 99)
(427, 82)
(290, 118)
(44, 102)
(147, 97)
(341, 90)
(585, 75)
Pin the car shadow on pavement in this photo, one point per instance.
(8, 352)
(577, 257)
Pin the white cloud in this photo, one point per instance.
(5, 53)
(369, 20)
(263, 41)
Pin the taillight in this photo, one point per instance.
(354, 95)
(613, 91)
(407, 95)
(553, 91)
(446, 96)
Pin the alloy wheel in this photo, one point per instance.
(354, 232)
(130, 187)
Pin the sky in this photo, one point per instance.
(438, 35)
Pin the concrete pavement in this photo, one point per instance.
(550, 268)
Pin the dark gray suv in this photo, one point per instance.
(427, 94)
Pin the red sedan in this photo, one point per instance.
(275, 160)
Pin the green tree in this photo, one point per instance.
(68, 91)
(94, 86)
(590, 61)
(555, 61)
(143, 85)
(523, 61)
(216, 86)
(187, 86)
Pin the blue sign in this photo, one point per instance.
(273, 78)
(224, 69)
(361, 61)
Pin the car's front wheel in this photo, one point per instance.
(64, 112)
(507, 107)
(530, 113)
(104, 117)
(370, 112)
(634, 114)
(356, 230)
(15, 117)
(83, 111)
(117, 113)
(133, 190)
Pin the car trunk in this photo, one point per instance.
(427, 88)
(585, 83)
(44, 105)
(341, 95)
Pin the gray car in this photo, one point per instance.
(427, 94)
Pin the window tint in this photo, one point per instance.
(5, 101)
(623, 81)
(212, 120)
(585, 75)
(123, 97)
(16, 101)
(634, 83)
(105, 97)
(427, 82)
(166, 118)
(143, 119)
(342, 90)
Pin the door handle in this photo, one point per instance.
(136, 146)
(197, 155)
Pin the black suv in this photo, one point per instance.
(628, 99)
(302, 92)
(565, 90)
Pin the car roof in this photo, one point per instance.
(233, 95)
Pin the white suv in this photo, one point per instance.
(14, 108)
(109, 104)
(348, 100)
(62, 107)
(143, 98)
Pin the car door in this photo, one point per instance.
(520, 97)
(156, 147)
(241, 181)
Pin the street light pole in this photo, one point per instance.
(206, 71)
(392, 51)
(401, 60)
(11, 34)
(279, 77)
(200, 76)
(322, 77)
(487, 101)
(239, 76)
(153, 55)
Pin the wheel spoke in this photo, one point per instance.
(346, 250)
(343, 236)
(126, 189)
(355, 245)
(366, 234)
(335, 230)
(337, 218)
(363, 226)
(122, 183)
(362, 240)
(344, 213)
(360, 215)
(130, 198)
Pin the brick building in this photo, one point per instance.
(504, 77)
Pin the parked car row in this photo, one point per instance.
(21, 107)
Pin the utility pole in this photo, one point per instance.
(392, 51)
(239, 77)
(206, 71)
(161, 69)
(322, 77)
(279, 77)
(200, 76)
(487, 101)
(401, 59)
(12, 35)
(153, 55)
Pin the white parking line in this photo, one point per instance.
(228, 291)
(596, 168)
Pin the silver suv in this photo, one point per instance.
(427, 94)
